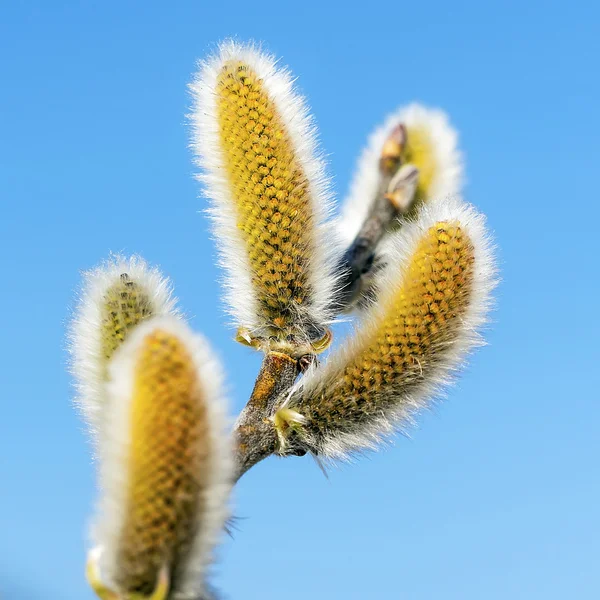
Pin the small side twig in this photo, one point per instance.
(395, 195)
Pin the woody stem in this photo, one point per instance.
(255, 436)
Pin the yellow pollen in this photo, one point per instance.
(125, 304)
(420, 152)
(414, 329)
(270, 192)
(168, 424)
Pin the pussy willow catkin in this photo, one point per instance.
(432, 297)
(256, 146)
(115, 298)
(165, 463)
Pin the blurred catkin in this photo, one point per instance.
(115, 298)
(166, 466)
(168, 430)
(419, 151)
(429, 143)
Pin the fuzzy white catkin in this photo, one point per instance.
(88, 362)
(214, 478)
(448, 179)
(403, 401)
(299, 126)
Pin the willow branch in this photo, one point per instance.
(254, 432)
(255, 435)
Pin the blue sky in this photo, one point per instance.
(496, 495)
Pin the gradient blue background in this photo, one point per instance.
(497, 494)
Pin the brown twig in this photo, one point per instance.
(255, 436)
(395, 195)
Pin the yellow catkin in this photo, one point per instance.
(125, 304)
(271, 195)
(420, 321)
(419, 150)
(168, 421)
